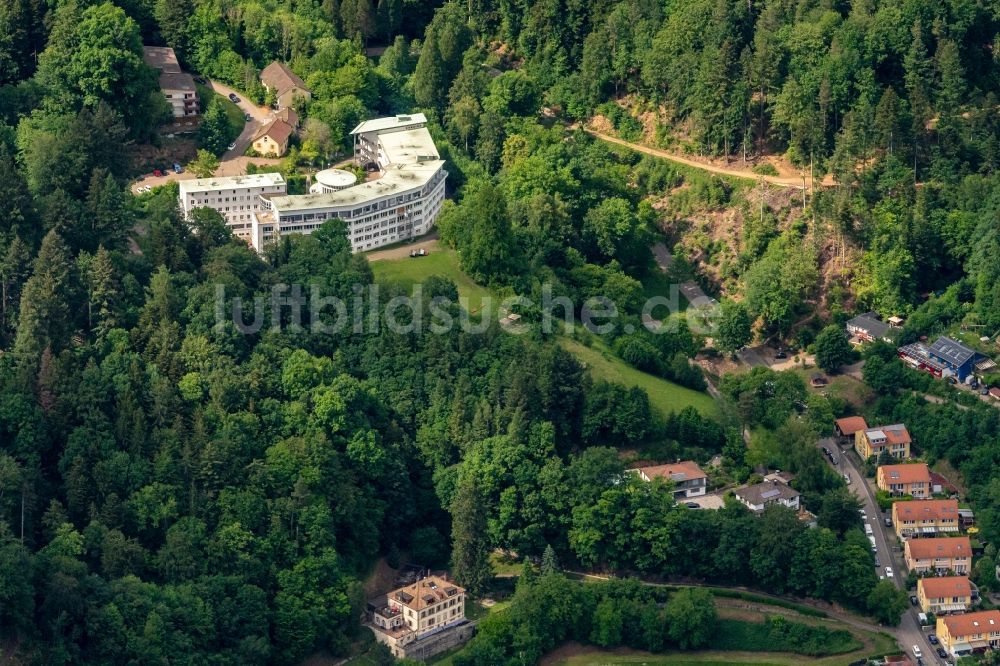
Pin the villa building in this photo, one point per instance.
(176, 85)
(420, 620)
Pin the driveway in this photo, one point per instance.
(908, 633)
(259, 116)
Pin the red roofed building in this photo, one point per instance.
(939, 555)
(918, 518)
(688, 479)
(897, 480)
(944, 595)
(849, 425)
(964, 634)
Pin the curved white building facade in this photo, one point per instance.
(400, 203)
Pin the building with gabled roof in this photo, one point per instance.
(175, 84)
(912, 479)
(893, 439)
(869, 327)
(947, 594)
(848, 426)
(688, 478)
(921, 518)
(285, 83)
(271, 140)
(964, 634)
(762, 495)
(938, 555)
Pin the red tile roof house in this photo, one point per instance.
(689, 480)
(849, 425)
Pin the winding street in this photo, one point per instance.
(259, 116)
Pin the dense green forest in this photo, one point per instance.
(174, 490)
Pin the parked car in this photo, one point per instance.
(932, 638)
(833, 459)
(913, 600)
(157, 173)
(781, 354)
(888, 522)
(232, 146)
(692, 505)
(916, 652)
(246, 117)
(847, 479)
(177, 167)
(876, 562)
(941, 652)
(984, 391)
(888, 572)
(826, 451)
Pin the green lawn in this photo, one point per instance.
(693, 659)
(442, 261)
(233, 113)
(664, 396)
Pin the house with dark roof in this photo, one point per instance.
(762, 495)
(957, 358)
(175, 84)
(271, 140)
(285, 83)
(869, 327)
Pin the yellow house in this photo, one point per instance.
(962, 634)
(924, 517)
(895, 439)
(913, 480)
(939, 555)
(272, 139)
(949, 594)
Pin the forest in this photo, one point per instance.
(175, 490)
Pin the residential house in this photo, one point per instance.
(964, 634)
(913, 479)
(894, 439)
(780, 477)
(762, 495)
(285, 83)
(289, 116)
(945, 358)
(869, 327)
(420, 620)
(995, 393)
(939, 555)
(271, 140)
(949, 594)
(958, 359)
(917, 518)
(849, 426)
(176, 85)
(688, 479)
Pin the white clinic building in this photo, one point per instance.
(401, 202)
(236, 198)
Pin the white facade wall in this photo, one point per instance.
(236, 202)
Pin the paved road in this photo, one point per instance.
(663, 257)
(259, 115)
(908, 633)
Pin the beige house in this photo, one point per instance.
(898, 480)
(950, 594)
(413, 620)
(939, 555)
(963, 634)
(688, 478)
(271, 140)
(917, 518)
(176, 85)
(287, 86)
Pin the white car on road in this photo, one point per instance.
(888, 572)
